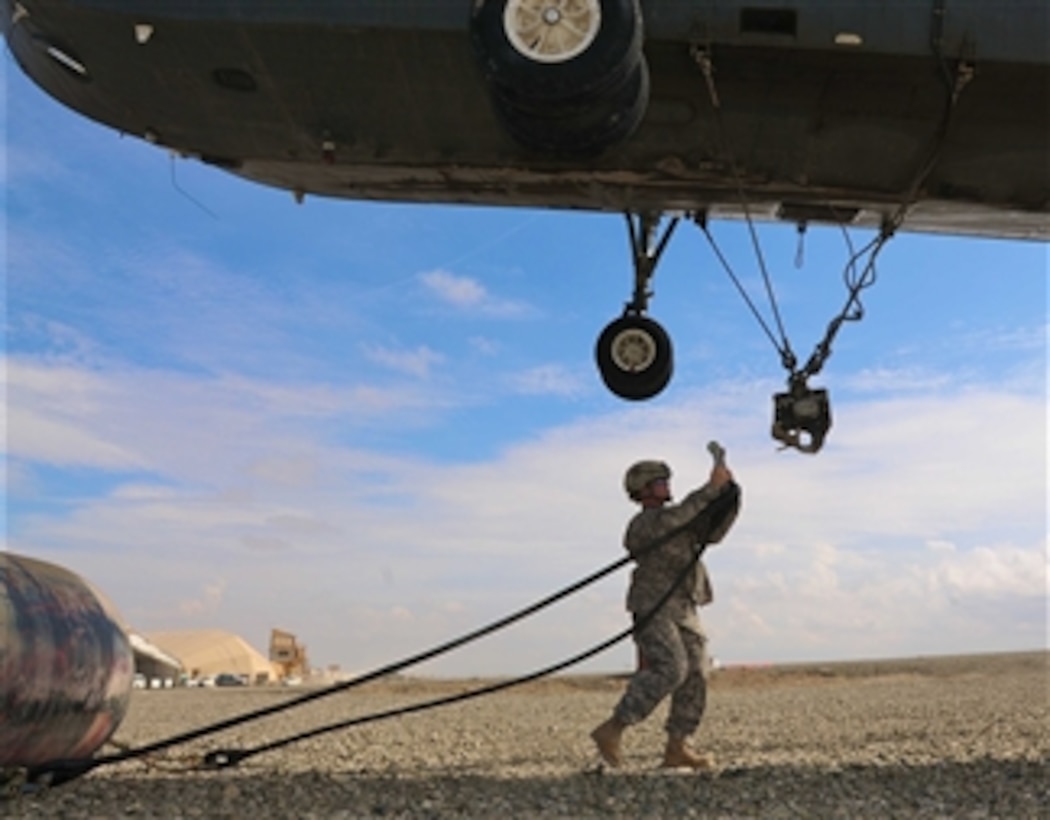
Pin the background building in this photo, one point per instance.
(210, 652)
(152, 661)
(288, 655)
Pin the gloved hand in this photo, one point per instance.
(720, 474)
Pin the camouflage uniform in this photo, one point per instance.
(672, 646)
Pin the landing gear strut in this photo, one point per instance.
(634, 353)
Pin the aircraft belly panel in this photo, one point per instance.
(401, 112)
(408, 14)
(997, 30)
(991, 30)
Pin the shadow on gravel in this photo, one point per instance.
(997, 788)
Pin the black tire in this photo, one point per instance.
(604, 65)
(635, 357)
(580, 130)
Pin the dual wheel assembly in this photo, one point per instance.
(566, 77)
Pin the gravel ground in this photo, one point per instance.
(945, 737)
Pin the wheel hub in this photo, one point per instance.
(633, 350)
(552, 31)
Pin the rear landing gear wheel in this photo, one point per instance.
(551, 32)
(566, 77)
(557, 51)
(582, 131)
(635, 357)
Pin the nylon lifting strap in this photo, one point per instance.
(230, 757)
(57, 772)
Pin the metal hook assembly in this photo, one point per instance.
(801, 416)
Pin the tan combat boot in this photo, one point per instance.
(678, 755)
(607, 738)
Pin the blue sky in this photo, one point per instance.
(380, 426)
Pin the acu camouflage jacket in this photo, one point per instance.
(657, 568)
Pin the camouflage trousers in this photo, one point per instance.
(673, 661)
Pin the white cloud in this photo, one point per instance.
(486, 347)
(866, 602)
(181, 425)
(469, 295)
(460, 291)
(892, 381)
(916, 508)
(207, 603)
(999, 570)
(549, 380)
(24, 165)
(1023, 339)
(400, 613)
(413, 362)
(60, 444)
(64, 342)
(52, 416)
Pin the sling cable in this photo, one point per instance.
(802, 415)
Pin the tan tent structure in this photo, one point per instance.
(213, 651)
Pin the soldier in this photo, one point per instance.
(672, 652)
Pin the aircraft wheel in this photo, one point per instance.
(557, 51)
(581, 130)
(634, 357)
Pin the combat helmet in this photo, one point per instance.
(639, 474)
